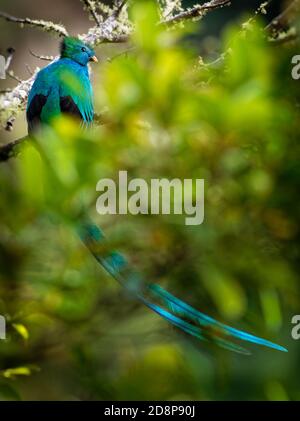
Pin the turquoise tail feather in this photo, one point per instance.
(180, 307)
(177, 312)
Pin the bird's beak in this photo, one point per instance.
(94, 59)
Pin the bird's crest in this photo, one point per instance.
(70, 45)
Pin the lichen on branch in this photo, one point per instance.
(55, 28)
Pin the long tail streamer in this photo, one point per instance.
(172, 309)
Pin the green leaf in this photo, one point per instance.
(22, 330)
(12, 373)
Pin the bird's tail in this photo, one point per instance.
(175, 311)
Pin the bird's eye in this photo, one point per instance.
(83, 49)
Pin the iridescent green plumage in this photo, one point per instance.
(63, 87)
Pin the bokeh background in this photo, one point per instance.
(73, 334)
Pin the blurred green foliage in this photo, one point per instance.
(72, 333)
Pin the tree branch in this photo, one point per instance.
(197, 11)
(11, 149)
(14, 101)
(169, 7)
(110, 31)
(283, 18)
(90, 7)
(5, 91)
(279, 28)
(44, 58)
(41, 24)
(29, 69)
(11, 74)
(119, 7)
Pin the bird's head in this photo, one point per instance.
(76, 50)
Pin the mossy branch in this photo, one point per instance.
(41, 24)
(285, 17)
(91, 8)
(11, 149)
(280, 29)
(43, 58)
(197, 11)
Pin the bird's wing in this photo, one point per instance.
(37, 100)
(165, 304)
(75, 93)
(69, 106)
(60, 88)
(34, 111)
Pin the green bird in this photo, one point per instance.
(63, 87)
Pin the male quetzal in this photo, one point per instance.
(64, 87)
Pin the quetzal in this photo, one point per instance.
(64, 87)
